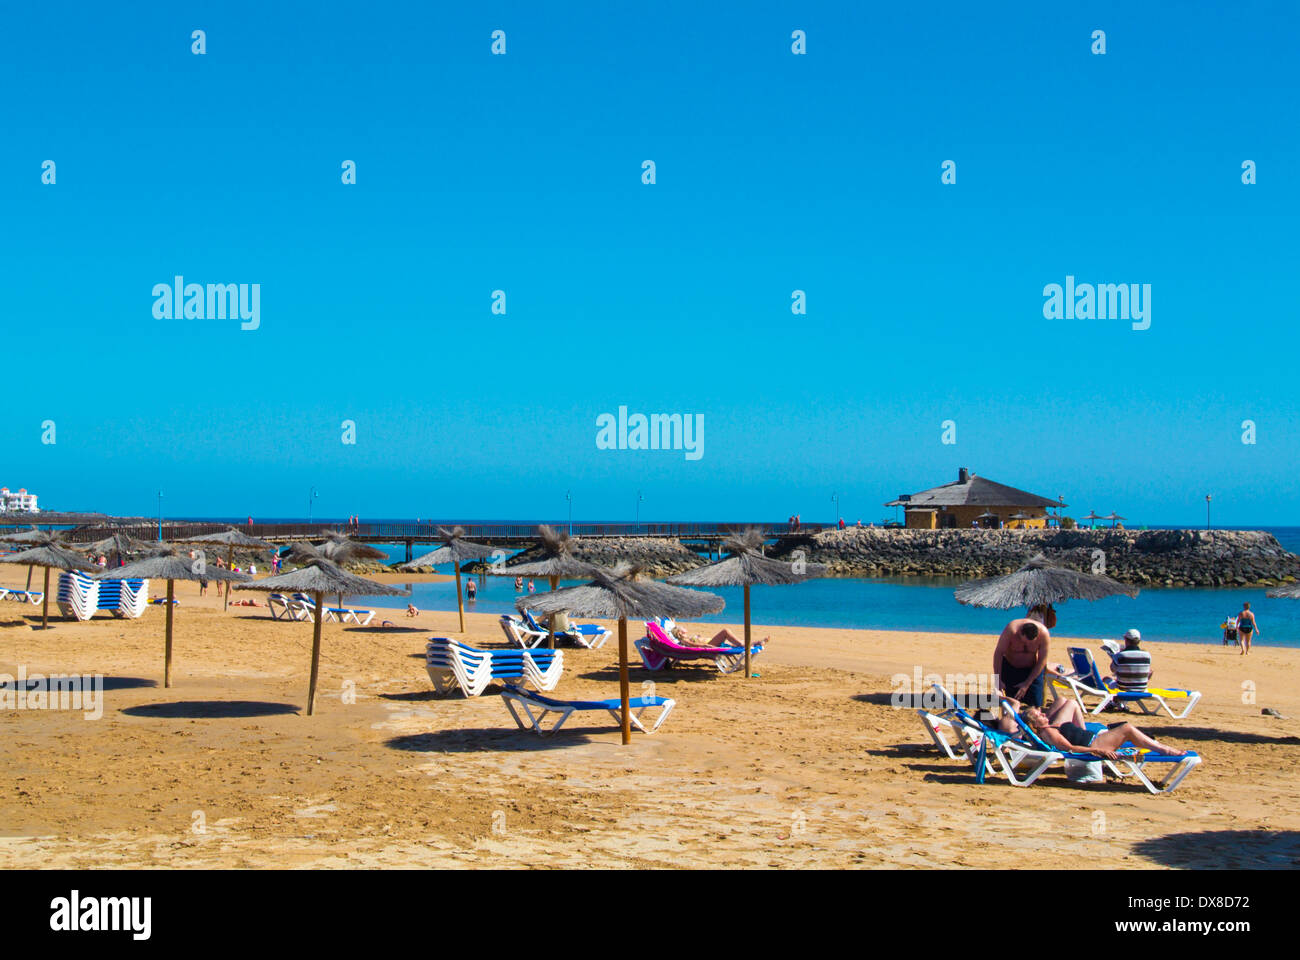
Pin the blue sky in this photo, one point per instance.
(775, 172)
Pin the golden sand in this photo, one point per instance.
(808, 765)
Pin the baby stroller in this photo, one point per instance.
(1229, 631)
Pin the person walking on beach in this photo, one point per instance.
(1019, 660)
(1246, 627)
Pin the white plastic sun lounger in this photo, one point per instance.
(352, 615)
(530, 710)
(1087, 683)
(1130, 759)
(520, 634)
(281, 607)
(457, 666)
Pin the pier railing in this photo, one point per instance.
(500, 533)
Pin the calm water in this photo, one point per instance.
(927, 604)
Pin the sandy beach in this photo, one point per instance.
(807, 766)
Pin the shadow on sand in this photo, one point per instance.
(210, 709)
(1224, 849)
(638, 675)
(1199, 734)
(487, 740)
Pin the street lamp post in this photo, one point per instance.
(1207, 511)
(310, 498)
(836, 498)
(160, 516)
(568, 495)
(639, 500)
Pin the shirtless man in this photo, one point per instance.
(1019, 660)
(1246, 627)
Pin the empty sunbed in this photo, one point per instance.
(530, 710)
(453, 665)
(30, 596)
(1087, 683)
(659, 651)
(351, 615)
(280, 606)
(519, 633)
(589, 635)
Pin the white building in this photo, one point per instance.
(20, 502)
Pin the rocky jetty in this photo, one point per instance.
(657, 556)
(1201, 558)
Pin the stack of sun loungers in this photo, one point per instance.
(82, 597)
(453, 665)
(1023, 757)
(660, 651)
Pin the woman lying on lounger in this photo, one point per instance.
(1064, 726)
(723, 638)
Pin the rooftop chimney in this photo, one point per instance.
(963, 475)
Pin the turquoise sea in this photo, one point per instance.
(927, 604)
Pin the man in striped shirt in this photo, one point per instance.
(1132, 665)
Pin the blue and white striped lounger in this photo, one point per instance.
(535, 709)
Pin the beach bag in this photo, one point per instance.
(1084, 771)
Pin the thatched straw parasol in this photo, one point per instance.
(321, 578)
(1114, 518)
(338, 548)
(455, 550)
(1094, 517)
(116, 547)
(171, 567)
(747, 566)
(230, 538)
(1039, 582)
(1289, 591)
(52, 555)
(35, 536)
(557, 561)
(620, 594)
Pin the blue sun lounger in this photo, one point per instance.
(1131, 759)
(535, 708)
(589, 635)
(453, 665)
(1087, 681)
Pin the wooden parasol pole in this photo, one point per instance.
(747, 671)
(460, 603)
(622, 679)
(45, 602)
(167, 657)
(550, 621)
(315, 653)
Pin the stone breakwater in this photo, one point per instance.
(657, 556)
(1201, 558)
